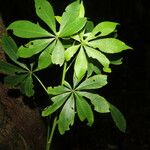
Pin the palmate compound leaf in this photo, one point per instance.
(118, 118)
(104, 28)
(81, 64)
(67, 114)
(109, 45)
(58, 101)
(100, 57)
(84, 110)
(99, 102)
(45, 12)
(33, 47)
(94, 82)
(58, 54)
(27, 29)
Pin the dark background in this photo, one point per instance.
(129, 84)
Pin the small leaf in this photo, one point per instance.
(94, 82)
(70, 14)
(66, 117)
(10, 69)
(10, 48)
(84, 110)
(57, 90)
(27, 86)
(92, 68)
(99, 102)
(91, 52)
(45, 11)
(89, 26)
(27, 29)
(45, 57)
(71, 51)
(81, 64)
(58, 55)
(33, 47)
(73, 27)
(105, 28)
(15, 80)
(117, 62)
(58, 18)
(82, 10)
(58, 102)
(109, 45)
(118, 118)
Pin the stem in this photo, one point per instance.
(40, 82)
(64, 73)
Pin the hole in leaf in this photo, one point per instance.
(97, 34)
(39, 8)
(32, 43)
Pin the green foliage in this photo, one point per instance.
(74, 43)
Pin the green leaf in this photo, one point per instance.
(66, 117)
(84, 110)
(7, 68)
(27, 86)
(33, 47)
(105, 28)
(109, 45)
(89, 26)
(58, 18)
(71, 51)
(82, 10)
(27, 29)
(81, 64)
(45, 57)
(94, 82)
(58, 102)
(70, 14)
(99, 102)
(45, 11)
(117, 62)
(10, 48)
(118, 118)
(57, 90)
(73, 27)
(100, 57)
(15, 80)
(92, 68)
(58, 55)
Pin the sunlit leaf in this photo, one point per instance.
(73, 27)
(94, 82)
(99, 102)
(58, 102)
(71, 51)
(33, 47)
(109, 45)
(58, 18)
(118, 118)
(91, 52)
(82, 10)
(66, 117)
(84, 110)
(105, 28)
(45, 11)
(45, 57)
(27, 29)
(117, 62)
(58, 55)
(81, 64)
(57, 90)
